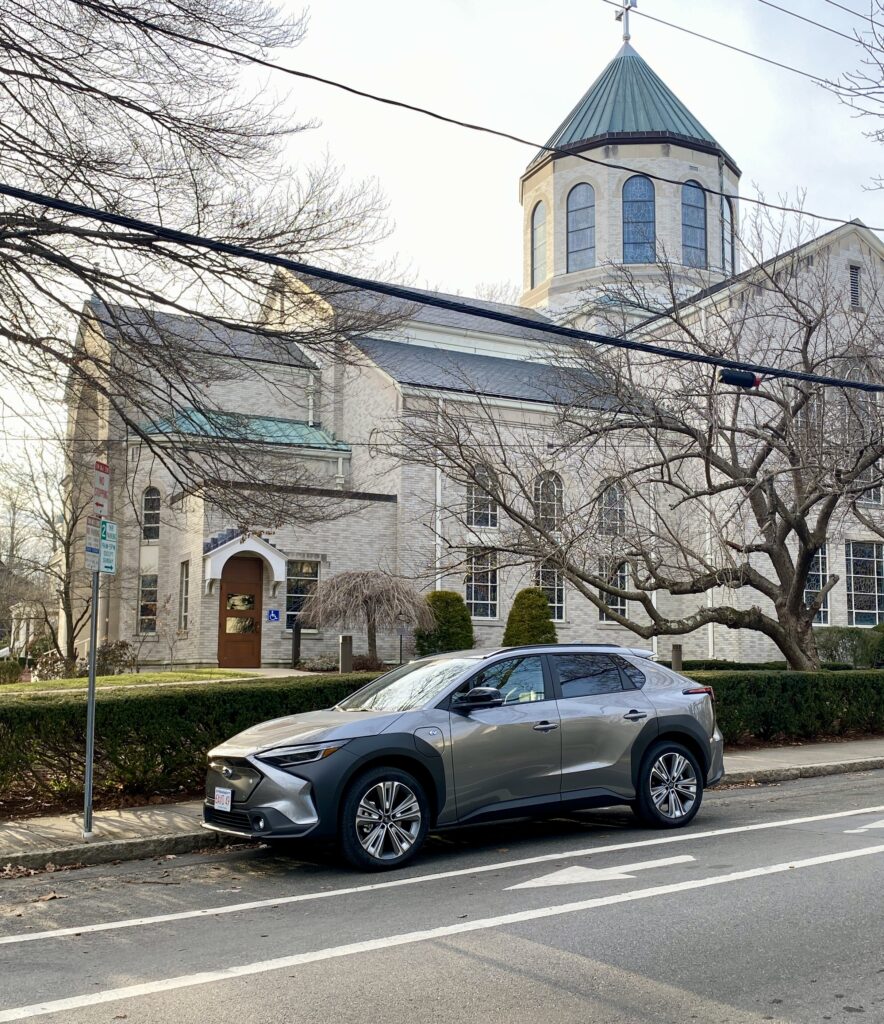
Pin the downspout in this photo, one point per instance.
(710, 595)
(438, 509)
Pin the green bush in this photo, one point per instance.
(529, 620)
(453, 630)
(780, 705)
(721, 664)
(861, 648)
(10, 671)
(146, 741)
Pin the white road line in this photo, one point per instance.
(407, 938)
(281, 901)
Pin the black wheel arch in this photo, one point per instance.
(681, 729)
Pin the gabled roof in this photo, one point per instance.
(238, 427)
(629, 102)
(444, 369)
(346, 296)
(135, 326)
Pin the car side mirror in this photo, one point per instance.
(478, 697)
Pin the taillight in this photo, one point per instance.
(697, 690)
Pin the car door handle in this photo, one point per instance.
(635, 716)
(546, 726)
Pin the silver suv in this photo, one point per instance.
(471, 736)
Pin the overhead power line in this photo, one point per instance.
(857, 14)
(819, 24)
(104, 9)
(424, 298)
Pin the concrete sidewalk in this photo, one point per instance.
(163, 829)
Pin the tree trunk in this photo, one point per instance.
(798, 644)
(372, 631)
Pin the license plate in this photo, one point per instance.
(223, 798)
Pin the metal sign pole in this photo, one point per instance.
(90, 711)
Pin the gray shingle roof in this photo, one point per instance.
(630, 101)
(467, 372)
(148, 327)
(345, 296)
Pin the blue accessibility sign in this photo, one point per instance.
(273, 615)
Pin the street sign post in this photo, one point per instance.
(101, 557)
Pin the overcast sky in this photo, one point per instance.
(521, 66)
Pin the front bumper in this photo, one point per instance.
(267, 803)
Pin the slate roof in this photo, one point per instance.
(141, 326)
(630, 102)
(342, 295)
(239, 427)
(467, 372)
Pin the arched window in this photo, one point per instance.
(612, 510)
(693, 224)
(581, 227)
(150, 514)
(548, 501)
(639, 231)
(538, 245)
(727, 236)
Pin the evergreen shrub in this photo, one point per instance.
(529, 620)
(453, 630)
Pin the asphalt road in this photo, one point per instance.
(770, 907)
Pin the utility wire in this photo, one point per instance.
(820, 24)
(720, 42)
(103, 9)
(856, 14)
(419, 298)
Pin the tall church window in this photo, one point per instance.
(548, 509)
(581, 227)
(693, 224)
(727, 236)
(538, 245)
(150, 514)
(639, 227)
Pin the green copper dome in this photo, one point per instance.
(628, 102)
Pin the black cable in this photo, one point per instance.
(422, 298)
(818, 24)
(102, 8)
(856, 14)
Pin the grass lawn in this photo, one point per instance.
(128, 679)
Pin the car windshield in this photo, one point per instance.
(408, 686)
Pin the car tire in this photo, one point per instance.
(385, 815)
(670, 786)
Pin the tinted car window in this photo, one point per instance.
(632, 672)
(584, 675)
(519, 679)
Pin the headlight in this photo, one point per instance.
(289, 758)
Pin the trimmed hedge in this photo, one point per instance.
(778, 705)
(723, 665)
(530, 620)
(155, 740)
(146, 741)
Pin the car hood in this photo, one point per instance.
(306, 728)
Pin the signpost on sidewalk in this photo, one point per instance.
(101, 557)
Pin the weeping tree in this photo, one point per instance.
(367, 601)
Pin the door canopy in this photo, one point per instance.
(214, 560)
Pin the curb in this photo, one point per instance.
(804, 771)
(108, 851)
(189, 842)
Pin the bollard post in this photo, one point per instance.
(676, 658)
(345, 654)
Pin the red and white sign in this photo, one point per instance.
(101, 491)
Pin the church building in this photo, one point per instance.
(635, 180)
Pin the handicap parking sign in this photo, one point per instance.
(273, 615)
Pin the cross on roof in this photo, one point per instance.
(624, 17)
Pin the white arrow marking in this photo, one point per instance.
(865, 828)
(576, 874)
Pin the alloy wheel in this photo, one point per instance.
(673, 785)
(388, 820)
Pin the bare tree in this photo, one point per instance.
(370, 600)
(646, 476)
(141, 109)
